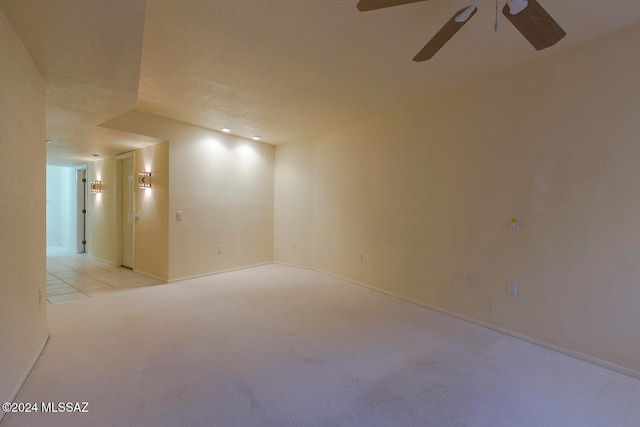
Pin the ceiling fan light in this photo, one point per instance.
(464, 16)
(517, 6)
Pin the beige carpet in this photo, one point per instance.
(282, 346)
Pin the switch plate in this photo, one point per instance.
(278, 244)
(467, 279)
(361, 256)
(514, 224)
(512, 288)
(219, 249)
(178, 215)
(294, 245)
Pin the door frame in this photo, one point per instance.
(120, 205)
(81, 210)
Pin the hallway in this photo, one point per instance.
(72, 276)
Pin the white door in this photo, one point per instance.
(128, 206)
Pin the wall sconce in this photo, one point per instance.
(96, 186)
(144, 180)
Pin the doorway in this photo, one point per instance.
(81, 210)
(66, 204)
(127, 208)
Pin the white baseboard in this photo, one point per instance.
(304, 267)
(559, 349)
(102, 259)
(162, 279)
(213, 273)
(25, 375)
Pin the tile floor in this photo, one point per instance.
(72, 276)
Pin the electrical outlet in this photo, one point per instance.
(512, 288)
(467, 279)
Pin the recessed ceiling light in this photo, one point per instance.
(226, 130)
(255, 138)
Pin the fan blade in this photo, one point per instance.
(536, 25)
(445, 34)
(364, 5)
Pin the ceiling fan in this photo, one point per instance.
(528, 16)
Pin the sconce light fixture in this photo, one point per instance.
(96, 186)
(144, 180)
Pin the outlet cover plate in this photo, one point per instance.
(512, 288)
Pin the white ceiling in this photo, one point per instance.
(288, 70)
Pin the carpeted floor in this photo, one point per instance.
(282, 346)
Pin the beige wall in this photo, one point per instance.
(293, 204)
(152, 229)
(224, 187)
(427, 193)
(23, 328)
(102, 212)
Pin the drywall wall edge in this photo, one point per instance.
(26, 373)
(162, 279)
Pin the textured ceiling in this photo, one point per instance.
(287, 73)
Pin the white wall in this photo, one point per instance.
(104, 233)
(53, 206)
(102, 212)
(152, 228)
(293, 203)
(224, 187)
(426, 193)
(68, 208)
(23, 329)
(62, 205)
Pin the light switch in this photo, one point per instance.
(178, 215)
